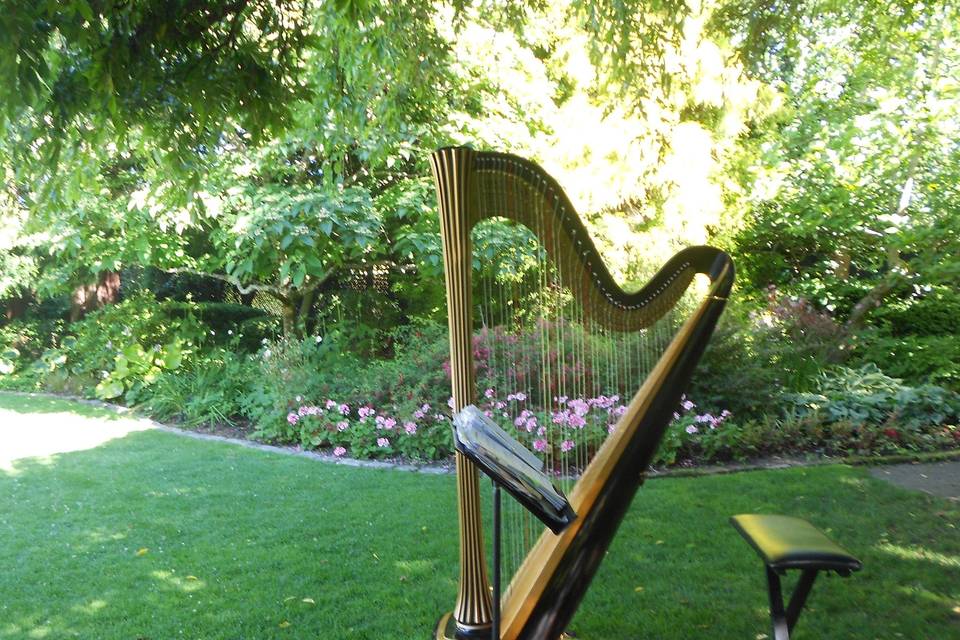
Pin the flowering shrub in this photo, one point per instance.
(694, 434)
(366, 432)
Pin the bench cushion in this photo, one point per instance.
(792, 543)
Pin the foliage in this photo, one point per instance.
(83, 75)
(757, 354)
(855, 187)
(208, 392)
(917, 359)
(703, 436)
(867, 396)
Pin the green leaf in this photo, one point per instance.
(108, 389)
(299, 276)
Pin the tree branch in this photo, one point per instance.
(244, 289)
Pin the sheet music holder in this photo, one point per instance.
(511, 466)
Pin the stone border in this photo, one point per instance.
(448, 467)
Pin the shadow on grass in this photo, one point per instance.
(157, 536)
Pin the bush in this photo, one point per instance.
(208, 392)
(866, 410)
(932, 359)
(756, 354)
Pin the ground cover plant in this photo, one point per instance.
(157, 535)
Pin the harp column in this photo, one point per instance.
(472, 616)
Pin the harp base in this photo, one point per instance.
(447, 630)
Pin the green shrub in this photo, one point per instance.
(931, 312)
(916, 359)
(208, 392)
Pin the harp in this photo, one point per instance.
(603, 474)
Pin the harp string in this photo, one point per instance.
(542, 340)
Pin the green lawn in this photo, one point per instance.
(154, 536)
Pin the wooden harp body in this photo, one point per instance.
(553, 576)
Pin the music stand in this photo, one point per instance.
(515, 468)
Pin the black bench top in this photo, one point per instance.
(785, 542)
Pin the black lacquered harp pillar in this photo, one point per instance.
(553, 576)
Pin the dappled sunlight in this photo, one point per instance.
(43, 435)
(920, 553)
(91, 608)
(187, 584)
(412, 568)
(925, 595)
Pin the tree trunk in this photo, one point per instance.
(89, 297)
(15, 308)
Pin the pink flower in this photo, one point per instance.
(345, 409)
(342, 425)
(365, 412)
(580, 406)
(687, 405)
(566, 445)
(330, 404)
(383, 443)
(520, 396)
(292, 418)
(540, 444)
(691, 429)
(577, 421)
(531, 424)
(410, 428)
(339, 451)
(489, 393)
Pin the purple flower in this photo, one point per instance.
(489, 393)
(330, 404)
(345, 409)
(566, 445)
(342, 425)
(410, 428)
(383, 443)
(292, 418)
(691, 429)
(540, 444)
(339, 451)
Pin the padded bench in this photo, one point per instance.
(787, 543)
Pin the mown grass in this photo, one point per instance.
(157, 536)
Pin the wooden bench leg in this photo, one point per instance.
(784, 620)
